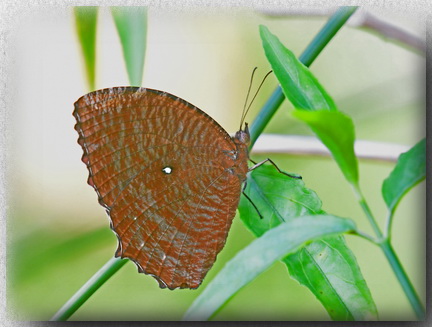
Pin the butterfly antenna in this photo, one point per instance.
(256, 93)
(247, 97)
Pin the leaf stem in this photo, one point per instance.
(365, 236)
(87, 290)
(362, 201)
(329, 30)
(387, 231)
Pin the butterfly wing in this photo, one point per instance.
(161, 168)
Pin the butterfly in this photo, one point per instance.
(169, 176)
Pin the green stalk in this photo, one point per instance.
(403, 279)
(87, 290)
(265, 115)
(335, 22)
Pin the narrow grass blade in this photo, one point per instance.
(131, 23)
(85, 21)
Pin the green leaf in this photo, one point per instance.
(330, 270)
(131, 23)
(298, 84)
(336, 131)
(315, 106)
(314, 48)
(278, 198)
(260, 255)
(410, 169)
(327, 267)
(85, 21)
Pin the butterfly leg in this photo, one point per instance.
(249, 199)
(253, 204)
(256, 165)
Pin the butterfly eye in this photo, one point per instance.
(167, 170)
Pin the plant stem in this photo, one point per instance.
(403, 279)
(326, 34)
(392, 258)
(265, 115)
(87, 290)
(329, 30)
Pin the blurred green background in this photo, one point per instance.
(58, 234)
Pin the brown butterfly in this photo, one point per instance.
(169, 176)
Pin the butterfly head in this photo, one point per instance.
(242, 136)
